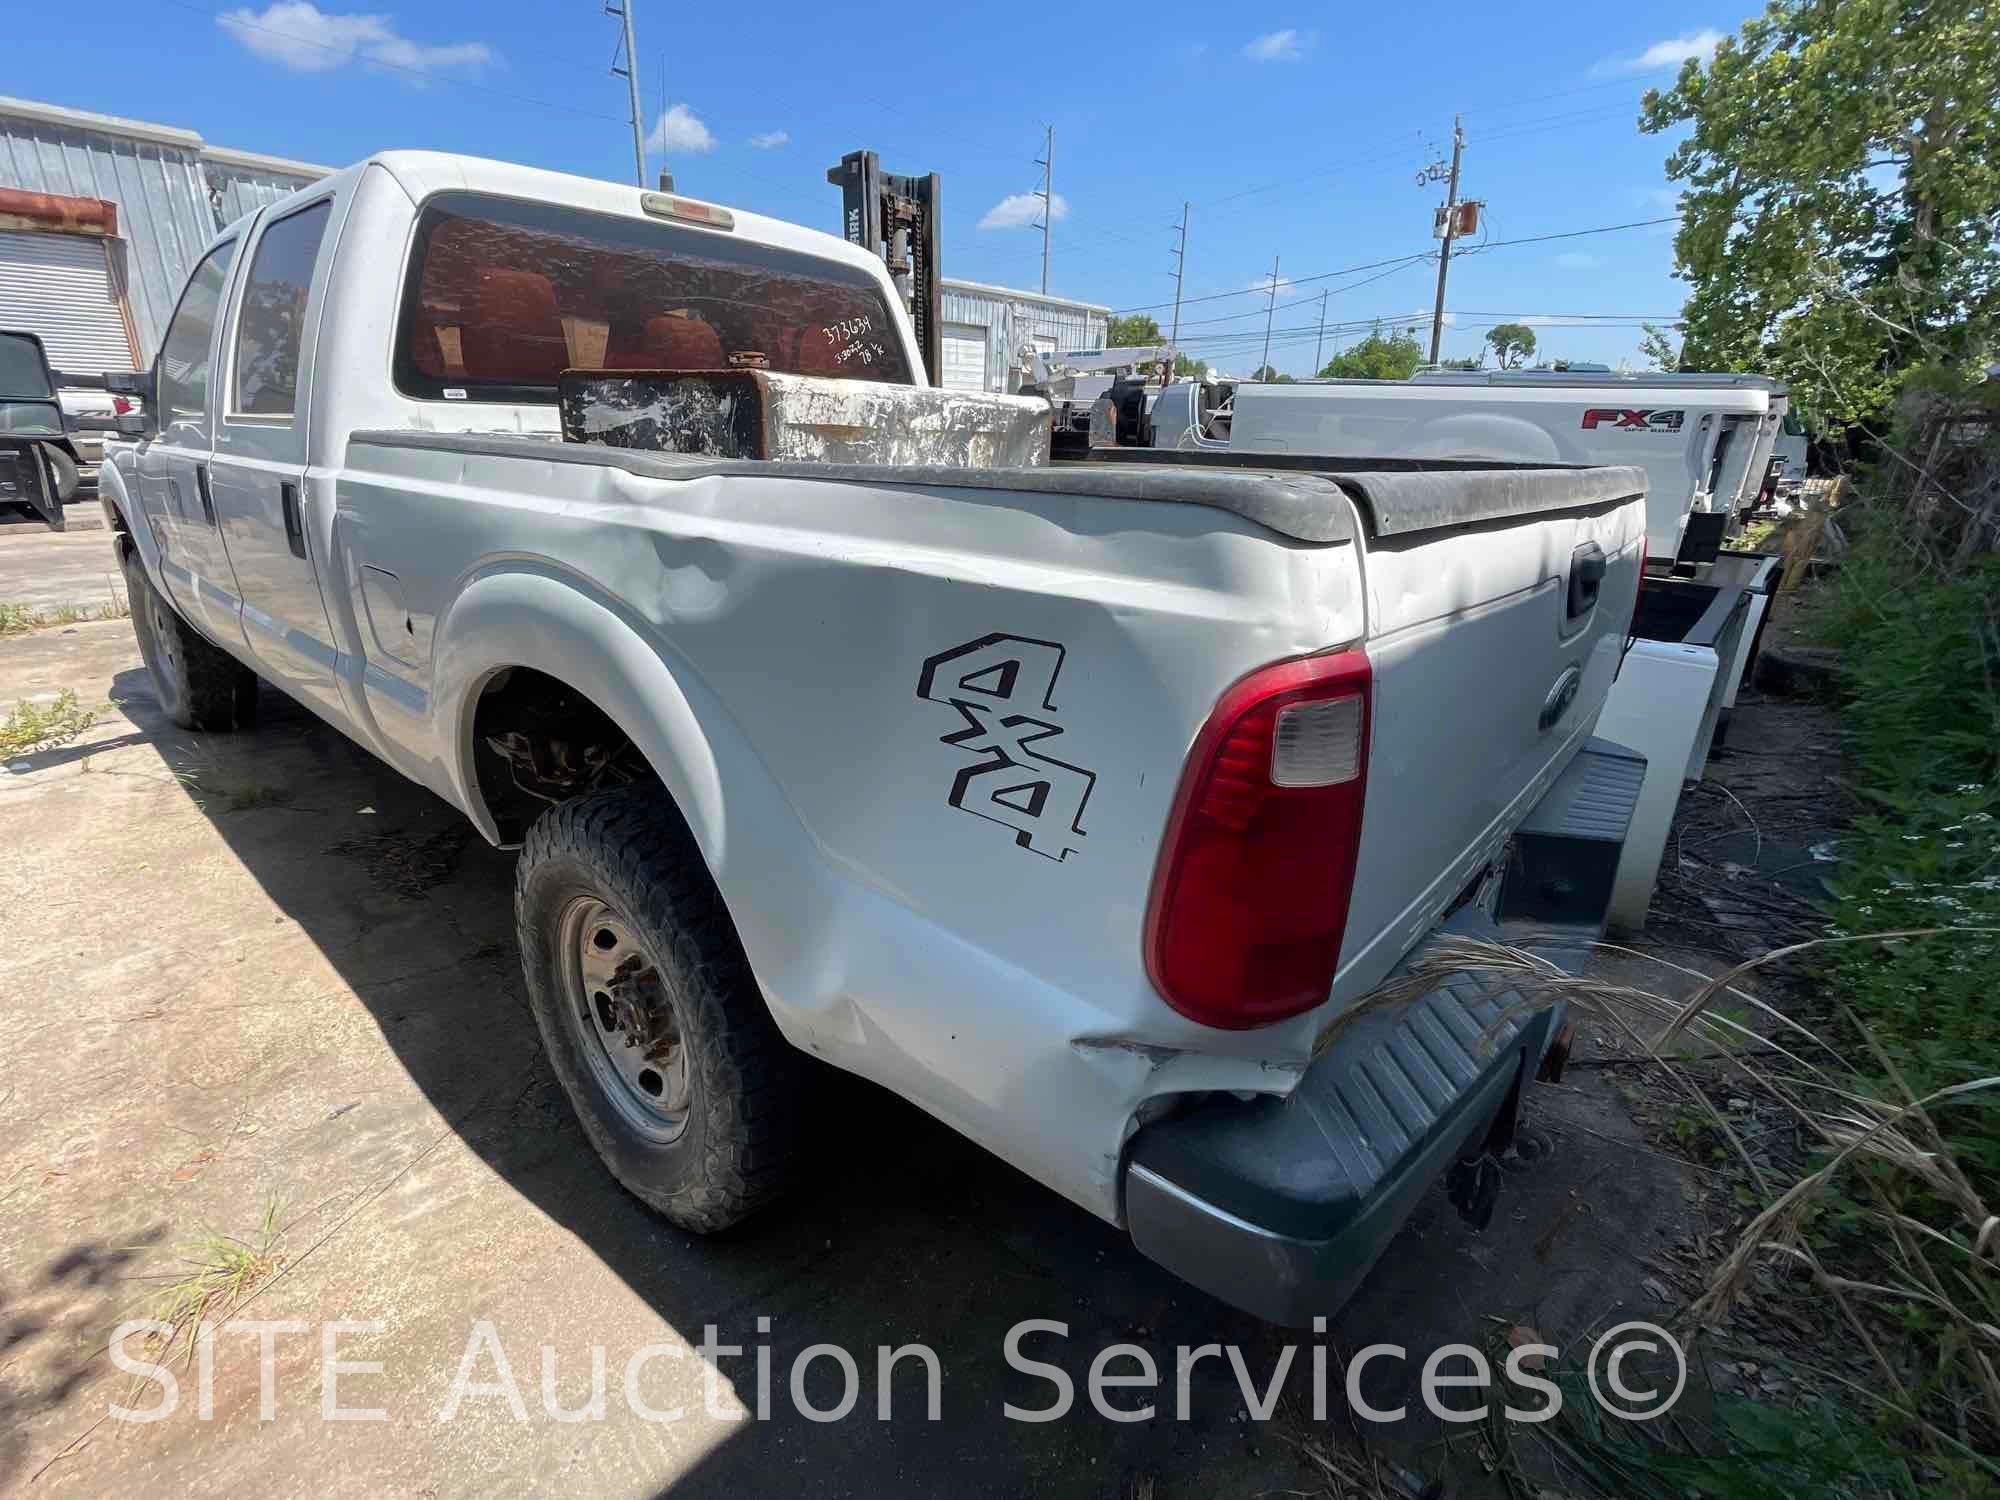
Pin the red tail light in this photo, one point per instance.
(1250, 898)
(121, 405)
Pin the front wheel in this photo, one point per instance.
(200, 685)
(646, 1005)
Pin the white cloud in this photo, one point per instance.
(1577, 260)
(770, 140)
(1019, 210)
(1669, 53)
(297, 34)
(1289, 45)
(1267, 284)
(680, 131)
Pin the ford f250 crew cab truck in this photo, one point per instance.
(1069, 801)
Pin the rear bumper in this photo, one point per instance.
(1281, 1206)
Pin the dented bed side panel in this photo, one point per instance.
(927, 738)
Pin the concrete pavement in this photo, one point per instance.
(260, 974)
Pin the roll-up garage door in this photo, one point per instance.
(58, 286)
(964, 357)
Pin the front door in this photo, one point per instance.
(258, 474)
(175, 493)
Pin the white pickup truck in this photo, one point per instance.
(1070, 801)
(1704, 440)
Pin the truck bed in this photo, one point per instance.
(1295, 496)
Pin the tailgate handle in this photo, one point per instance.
(295, 531)
(1586, 578)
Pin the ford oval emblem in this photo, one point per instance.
(1560, 697)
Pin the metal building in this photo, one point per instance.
(101, 219)
(987, 328)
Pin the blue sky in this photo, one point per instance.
(1295, 130)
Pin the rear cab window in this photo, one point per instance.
(502, 296)
(271, 322)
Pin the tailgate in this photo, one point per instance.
(1493, 642)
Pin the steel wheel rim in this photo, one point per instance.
(163, 634)
(623, 1020)
(155, 637)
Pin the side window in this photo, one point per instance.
(184, 353)
(273, 320)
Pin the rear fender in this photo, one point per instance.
(757, 850)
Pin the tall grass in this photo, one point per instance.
(1920, 725)
(1914, 1271)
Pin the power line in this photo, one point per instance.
(1259, 291)
(1576, 234)
(1533, 239)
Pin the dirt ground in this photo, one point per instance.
(259, 978)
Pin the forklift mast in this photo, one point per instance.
(895, 218)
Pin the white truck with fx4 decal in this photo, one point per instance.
(1069, 801)
(1705, 441)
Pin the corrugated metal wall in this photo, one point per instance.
(171, 199)
(1012, 320)
(244, 190)
(163, 212)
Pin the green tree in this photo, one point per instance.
(1131, 331)
(1512, 343)
(1840, 183)
(1380, 356)
(1469, 362)
(1268, 374)
(1196, 369)
(1659, 349)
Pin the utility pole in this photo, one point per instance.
(630, 73)
(1180, 271)
(1319, 344)
(1047, 162)
(1270, 307)
(1450, 225)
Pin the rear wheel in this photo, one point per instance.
(652, 1021)
(200, 685)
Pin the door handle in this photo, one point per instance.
(201, 489)
(295, 529)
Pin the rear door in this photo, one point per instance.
(172, 469)
(258, 471)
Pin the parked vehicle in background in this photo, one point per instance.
(1791, 453)
(38, 463)
(1700, 438)
(1072, 802)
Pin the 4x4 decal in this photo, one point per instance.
(1003, 687)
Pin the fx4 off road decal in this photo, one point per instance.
(1642, 420)
(1003, 687)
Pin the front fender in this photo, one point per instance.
(121, 511)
